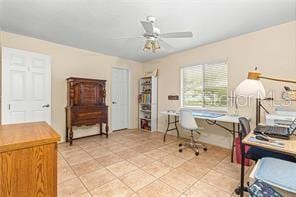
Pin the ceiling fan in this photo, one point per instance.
(153, 36)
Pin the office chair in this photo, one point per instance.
(187, 121)
(245, 124)
(245, 130)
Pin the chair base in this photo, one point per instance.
(193, 144)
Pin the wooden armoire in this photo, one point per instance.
(86, 105)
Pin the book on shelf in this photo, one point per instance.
(145, 98)
(147, 103)
(145, 124)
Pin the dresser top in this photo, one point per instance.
(24, 135)
(84, 79)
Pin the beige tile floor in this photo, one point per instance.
(134, 163)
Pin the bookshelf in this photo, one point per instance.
(148, 103)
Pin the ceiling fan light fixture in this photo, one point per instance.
(155, 46)
(151, 45)
(148, 45)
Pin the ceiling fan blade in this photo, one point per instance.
(126, 37)
(177, 35)
(148, 26)
(166, 46)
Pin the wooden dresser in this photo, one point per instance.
(28, 160)
(86, 105)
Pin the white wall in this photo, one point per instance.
(273, 50)
(68, 61)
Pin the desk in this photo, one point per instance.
(211, 121)
(288, 148)
(28, 160)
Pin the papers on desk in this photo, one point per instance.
(271, 142)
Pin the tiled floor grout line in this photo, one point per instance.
(200, 179)
(218, 172)
(76, 173)
(151, 140)
(102, 167)
(109, 171)
(121, 180)
(138, 168)
(215, 171)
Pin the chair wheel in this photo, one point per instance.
(197, 153)
(180, 145)
(237, 191)
(205, 149)
(180, 150)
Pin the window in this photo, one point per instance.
(204, 85)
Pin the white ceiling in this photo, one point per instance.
(90, 24)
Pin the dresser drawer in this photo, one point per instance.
(87, 122)
(88, 115)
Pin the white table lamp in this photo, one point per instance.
(250, 88)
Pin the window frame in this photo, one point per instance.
(220, 109)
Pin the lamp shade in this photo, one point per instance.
(250, 88)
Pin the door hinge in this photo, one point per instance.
(8, 106)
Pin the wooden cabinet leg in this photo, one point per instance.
(67, 133)
(101, 128)
(71, 136)
(107, 129)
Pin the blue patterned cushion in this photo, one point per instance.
(277, 172)
(262, 189)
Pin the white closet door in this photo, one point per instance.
(40, 88)
(120, 101)
(26, 87)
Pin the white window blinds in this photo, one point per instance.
(204, 85)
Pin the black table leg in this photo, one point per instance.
(173, 128)
(233, 140)
(240, 190)
(242, 170)
(167, 129)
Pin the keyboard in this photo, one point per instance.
(274, 131)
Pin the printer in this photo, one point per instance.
(283, 117)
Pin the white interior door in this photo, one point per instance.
(26, 87)
(120, 98)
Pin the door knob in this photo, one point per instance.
(45, 105)
(113, 102)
